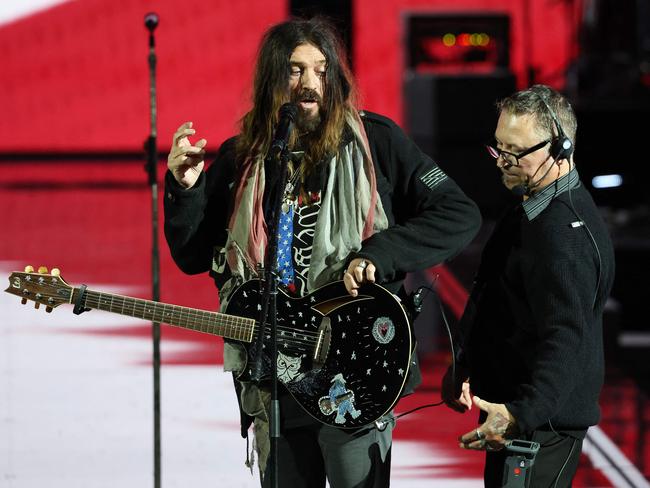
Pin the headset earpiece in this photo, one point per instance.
(561, 145)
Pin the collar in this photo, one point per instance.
(534, 205)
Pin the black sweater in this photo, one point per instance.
(533, 325)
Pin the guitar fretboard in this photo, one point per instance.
(214, 323)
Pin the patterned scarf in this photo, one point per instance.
(351, 211)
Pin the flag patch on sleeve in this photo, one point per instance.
(433, 178)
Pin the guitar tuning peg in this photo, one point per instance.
(36, 305)
(23, 301)
(42, 270)
(48, 309)
(55, 272)
(29, 269)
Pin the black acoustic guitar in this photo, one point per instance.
(344, 359)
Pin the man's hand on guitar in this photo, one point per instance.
(185, 160)
(359, 271)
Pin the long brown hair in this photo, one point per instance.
(270, 89)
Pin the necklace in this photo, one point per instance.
(289, 198)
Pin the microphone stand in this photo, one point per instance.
(151, 22)
(269, 315)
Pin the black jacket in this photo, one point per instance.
(426, 225)
(430, 218)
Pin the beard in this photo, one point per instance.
(307, 122)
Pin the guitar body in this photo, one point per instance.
(344, 359)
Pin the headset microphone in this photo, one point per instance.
(526, 189)
(520, 190)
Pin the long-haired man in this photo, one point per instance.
(362, 204)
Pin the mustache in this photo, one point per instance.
(306, 94)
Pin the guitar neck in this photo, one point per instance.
(214, 323)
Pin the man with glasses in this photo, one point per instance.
(532, 346)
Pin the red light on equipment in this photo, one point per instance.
(464, 39)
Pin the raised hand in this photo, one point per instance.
(185, 160)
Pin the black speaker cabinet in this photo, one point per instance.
(451, 117)
(444, 110)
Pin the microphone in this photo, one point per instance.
(151, 21)
(288, 113)
(525, 189)
(520, 190)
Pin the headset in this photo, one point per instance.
(561, 145)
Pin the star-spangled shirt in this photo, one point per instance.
(285, 240)
(295, 239)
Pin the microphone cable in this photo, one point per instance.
(582, 223)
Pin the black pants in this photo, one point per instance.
(555, 464)
(309, 454)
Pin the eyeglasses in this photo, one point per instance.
(496, 153)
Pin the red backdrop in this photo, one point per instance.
(76, 76)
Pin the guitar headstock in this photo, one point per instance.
(40, 287)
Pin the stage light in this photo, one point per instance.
(449, 39)
(607, 181)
